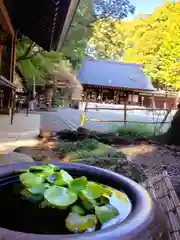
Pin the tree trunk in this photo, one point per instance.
(172, 136)
(49, 93)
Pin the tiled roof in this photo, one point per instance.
(114, 74)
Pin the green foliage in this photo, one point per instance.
(76, 223)
(117, 9)
(30, 179)
(79, 34)
(60, 196)
(86, 202)
(87, 13)
(106, 213)
(86, 145)
(78, 184)
(151, 40)
(134, 130)
(108, 39)
(81, 150)
(92, 191)
(36, 64)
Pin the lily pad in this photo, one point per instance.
(86, 202)
(101, 201)
(76, 223)
(52, 178)
(31, 197)
(77, 209)
(93, 190)
(38, 189)
(29, 179)
(63, 178)
(107, 191)
(60, 196)
(106, 213)
(45, 168)
(78, 184)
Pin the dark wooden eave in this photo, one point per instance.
(46, 22)
(114, 88)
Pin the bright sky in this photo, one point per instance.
(146, 6)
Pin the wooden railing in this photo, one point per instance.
(166, 113)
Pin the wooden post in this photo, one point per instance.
(166, 98)
(13, 62)
(83, 116)
(153, 101)
(101, 95)
(125, 110)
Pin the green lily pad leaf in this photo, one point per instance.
(93, 190)
(76, 223)
(21, 170)
(45, 168)
(107, 192)
(46, 204)
(63, 178)
(106, 213)
(87, 202)
(30, 179)
(60, 196)
(78, 184)
(44, 175)
(51, 178)
(77, 209)
(38, 189)
(31, 197)
(101, 201)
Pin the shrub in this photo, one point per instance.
(135, 130)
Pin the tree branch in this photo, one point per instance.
(28, 50)
(22, 58)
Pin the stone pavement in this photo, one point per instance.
(23, 131)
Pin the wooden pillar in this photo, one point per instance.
(6, 71)
(142, 101)
(7, 57)
(117, 97)
(153, 102)
(101, 95)
(13, 62)
(125, 108)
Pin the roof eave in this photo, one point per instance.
(69, 18)
(118, 87)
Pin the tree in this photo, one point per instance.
(79, 34)
(115, 9)
(35, 63)
(154, 43)
(108, 39)
(169, 56)
(81, 30)
(150, 40)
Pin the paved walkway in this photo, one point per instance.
(23, 132)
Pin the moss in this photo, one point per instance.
(88, 148)
(134, 130)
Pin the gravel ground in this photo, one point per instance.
(154, 158)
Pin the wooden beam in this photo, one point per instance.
(69, 18)
(5, 19)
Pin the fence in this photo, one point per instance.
(161, 115)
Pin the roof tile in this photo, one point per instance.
(114, 74)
